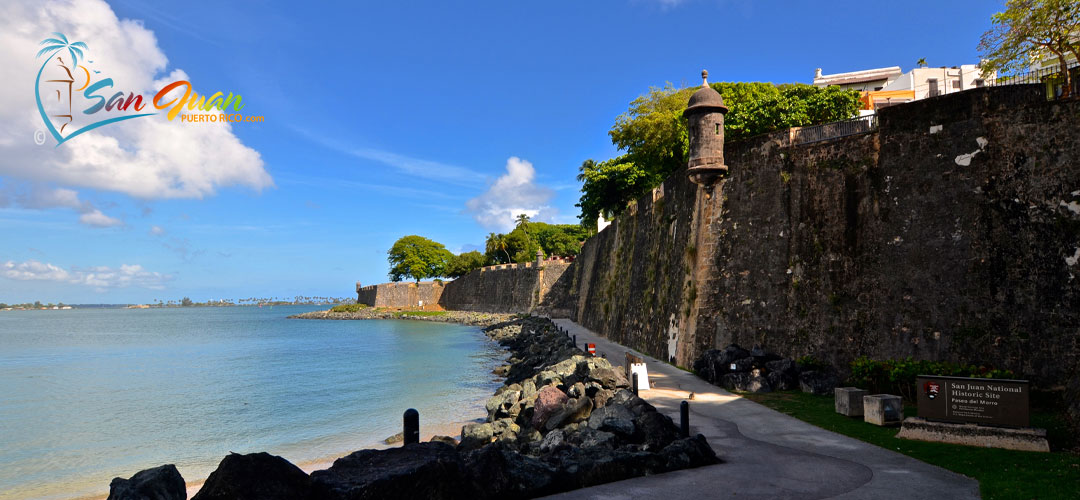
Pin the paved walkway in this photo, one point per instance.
(768, 455)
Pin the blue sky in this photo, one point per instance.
(382, 119)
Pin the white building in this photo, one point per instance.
(867, 80)
(889, 86)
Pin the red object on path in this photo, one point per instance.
(592, 350)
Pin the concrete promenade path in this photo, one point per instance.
(767, 455)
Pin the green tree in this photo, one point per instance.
(465, 263)
(186, 302)
(653, 136)
(1031, 29)
(417, 257)
(496, 248)
(921, 62)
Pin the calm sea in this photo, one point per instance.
(88, 395)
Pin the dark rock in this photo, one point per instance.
(783, 375)
(655, 430)
(582, 467)
(590, 438)
(159, 483)
(613, 418)
(758, 384)
(735, 381)
(549, 401)
(445, 439)
(504, 426)
(743, 365)
(818, 382)
(576, 410)
(424, 470)
(553, 440)
(497, 471)
(255, 476)
(500, 405)
(689, 452)
(476, 435)
(715, 363)
(762, 357)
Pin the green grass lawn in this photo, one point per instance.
(348, 308)
(1002, 474)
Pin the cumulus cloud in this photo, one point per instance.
(101, 277)
(149, 157)
(97, 219)
(38, 197)
(512, 194)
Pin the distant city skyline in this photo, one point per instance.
(381, 120)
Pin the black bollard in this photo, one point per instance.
(575, 341)
(684, 420)
(412, 426)
(635, 383)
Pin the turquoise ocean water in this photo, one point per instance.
(91, 394)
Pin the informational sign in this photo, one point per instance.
(983, 401)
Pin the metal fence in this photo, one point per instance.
(1051, 77)
(826, 131)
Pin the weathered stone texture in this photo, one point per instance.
(514, 289)
(960, 245)
(402, 295)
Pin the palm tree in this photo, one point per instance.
(921, 63)
(523, 221)
(60, 43)
(496, 242)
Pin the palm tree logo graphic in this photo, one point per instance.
(60, 86)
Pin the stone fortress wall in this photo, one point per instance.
(504, 288)
(952, 232)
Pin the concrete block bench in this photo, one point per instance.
(883, 409)
(849, 401)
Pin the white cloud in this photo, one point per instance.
(97, 219)
(157, 230)
(148, 158)
(38, 197)
(512, 194)
(101, 277)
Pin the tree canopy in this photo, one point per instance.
(464, 263)
(417, 257)
(652, 134)
(1029, 30)
(521, 244)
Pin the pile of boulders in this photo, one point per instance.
(758, 370)
(561, 421)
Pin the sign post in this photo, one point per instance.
(980, 412)
(974, 400)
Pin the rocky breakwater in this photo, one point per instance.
(561, 421)
(758, 370)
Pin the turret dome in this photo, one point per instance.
(706, 99)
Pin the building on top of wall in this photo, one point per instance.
(889, 86)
